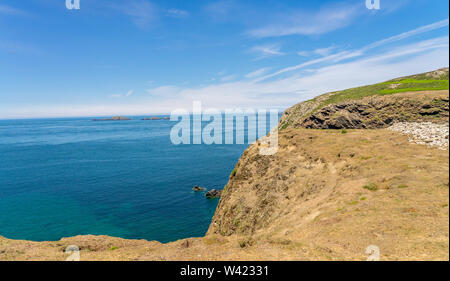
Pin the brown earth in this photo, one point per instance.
(324, 196)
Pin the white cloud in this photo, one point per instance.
(176, 13)
(228, 77)
(8, 10)
(301, 82)
(303, 53)
(257, 73)
(127, 94)
(141, 12)
(324, 51)
(265, 51)
(356, 53)
(328, 18)
(320, 51)
(164, 91)
(404, 60)
(220, 10)
(419, 30)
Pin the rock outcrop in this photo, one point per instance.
(378, 111)
(198, 188)
(213, 193)
(376, 106)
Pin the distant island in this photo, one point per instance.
(115, 118)
(121, 118)
(155, 118)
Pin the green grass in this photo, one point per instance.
(413, 83)
(285, 126)
(113, 248)
(371, 187)
(233, 173)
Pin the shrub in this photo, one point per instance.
(371, 187)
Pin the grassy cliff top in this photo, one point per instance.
(433, 81)
(430, 81)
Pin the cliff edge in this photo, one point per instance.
(353, 169)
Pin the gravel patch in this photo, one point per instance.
(427, 133)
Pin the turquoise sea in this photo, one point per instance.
(66, 177)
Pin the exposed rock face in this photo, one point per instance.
(213, 193)
(379, 111)
(416, 98)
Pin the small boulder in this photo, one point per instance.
(198, 188)
(213, 193)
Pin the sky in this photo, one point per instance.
(142, 57)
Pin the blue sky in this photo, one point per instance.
(140, 57)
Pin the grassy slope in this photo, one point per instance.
(419, 82)
(429, 81)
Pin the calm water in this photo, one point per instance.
(65, 177)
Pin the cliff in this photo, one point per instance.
(326, 194)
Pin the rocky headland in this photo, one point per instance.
(362, 167)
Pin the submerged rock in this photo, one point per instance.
(213, 193)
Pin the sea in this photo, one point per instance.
(75, 176)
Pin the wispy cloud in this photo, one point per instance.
(228, 77)
(8, 10)
(324, 51)
(340, 70)
(164, 91)
(141, 12)
(422, 29)
(301, 22)
(258, 72)
(177, 13)
(320, 51)
(356, 53)
(221, 9)
(403, 60)
(127, 94)
(265, 51)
